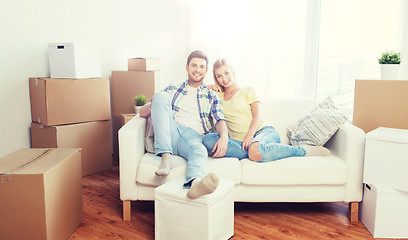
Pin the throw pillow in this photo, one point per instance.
(318, 126)
(149, 136)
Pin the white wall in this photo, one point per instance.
(124, 28)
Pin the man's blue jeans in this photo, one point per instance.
(270, 147)
(170, 137)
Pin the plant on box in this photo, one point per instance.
(390, 58)
(139, 100)
(389, 62)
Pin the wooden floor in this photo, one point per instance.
(103, 217)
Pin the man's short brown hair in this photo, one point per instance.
(197, 54)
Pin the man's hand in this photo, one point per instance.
(220, 147)
(146, 110)
(214, 87)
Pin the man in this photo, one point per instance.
(181, 115)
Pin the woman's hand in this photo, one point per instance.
(247, 142)
(215, 87)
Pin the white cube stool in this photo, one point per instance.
(207, 217)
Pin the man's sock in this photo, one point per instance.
(316, 150)
(204, 186)
(165, 165)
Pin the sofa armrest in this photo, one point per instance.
(131, 151)
(348, 144)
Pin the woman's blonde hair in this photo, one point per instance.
(217, 64)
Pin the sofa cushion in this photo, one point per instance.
(295, 171)
(318, 126)
(224, 168)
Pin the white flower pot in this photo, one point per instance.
(389, 71)
(137, 109)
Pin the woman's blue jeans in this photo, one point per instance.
(170, 137)
(270, 147)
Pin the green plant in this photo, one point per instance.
(140, 100)
(390, 58)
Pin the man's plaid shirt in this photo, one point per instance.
(209, 103)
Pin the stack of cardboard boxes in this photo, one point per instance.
(142, 77)
(72, 111)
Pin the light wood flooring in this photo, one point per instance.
(103, 217)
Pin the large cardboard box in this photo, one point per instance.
(385, 160)
(65, 101)
(144, 64)
(380, 103)
(127, 84)
(74, 60)
(384, 211)
(94, 138)
(40, 194)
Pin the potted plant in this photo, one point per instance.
(390, 62)
(140, 100)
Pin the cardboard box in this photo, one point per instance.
(126, 118)
(384, 211)
(144, 64)
(74, 60)
(127, 84)
(65, 101)
(380, 103)
(94, 138)
(43, 199)
(116, 125)
(385, 160)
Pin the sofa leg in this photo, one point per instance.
(126, 210)
(353, 211)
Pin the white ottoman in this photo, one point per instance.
(207, 217)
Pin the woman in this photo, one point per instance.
(248, 135)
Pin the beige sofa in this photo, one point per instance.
(334, 178)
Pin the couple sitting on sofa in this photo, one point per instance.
(181, 121)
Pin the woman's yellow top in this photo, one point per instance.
(238, 113)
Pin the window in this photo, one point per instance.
(296, 48)
(352, 36)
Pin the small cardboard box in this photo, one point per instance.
(384, 211)
(94, 138)
(126, 117)
(41, 194)
(385, 160)
(127, 84)
(74, 60)
(380, 103)
(144, 64)
(65, 101)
